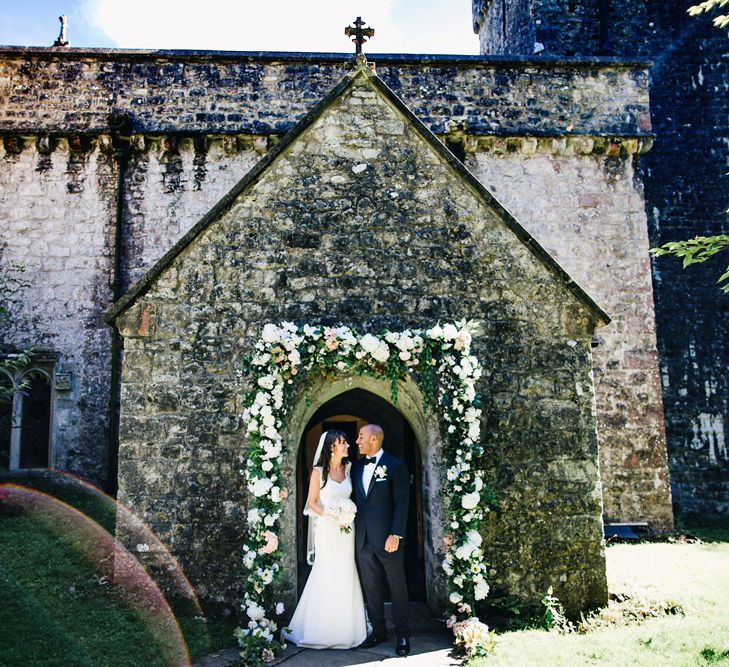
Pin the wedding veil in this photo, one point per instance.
(313, 516)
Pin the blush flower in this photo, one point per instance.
(271, 543)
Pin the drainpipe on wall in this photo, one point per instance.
(120, 125)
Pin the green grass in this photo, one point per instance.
(59, 609)
(58, 605)
(696, 576)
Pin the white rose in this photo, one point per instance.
(266, 466)
(276, 494)
(270, 333)
(455, 597)
(474, 538)
(268, 420)
(382, 353)
(404, 356)
(435, 332)
(266, 382)
(447, 568)
(261, 487)
(369, 343)
(255, 612)
(405, 343)
(464, 552)
(253, 517)
(470, 501)
(269, 520)
(280, 608)
(450, 332)
(478, 483)
(481, 589)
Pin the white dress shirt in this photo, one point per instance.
(369, 470)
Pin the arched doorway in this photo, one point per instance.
(348, 412)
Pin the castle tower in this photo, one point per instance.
(686, 195)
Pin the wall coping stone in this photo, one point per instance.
(425, 59)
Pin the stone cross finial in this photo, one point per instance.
(359, 34)
(62, 39)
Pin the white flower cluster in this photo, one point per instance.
(287, 353)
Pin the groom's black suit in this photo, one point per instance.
(382, 510)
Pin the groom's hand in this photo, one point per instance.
(392, 544)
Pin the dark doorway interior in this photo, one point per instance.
(348, 412)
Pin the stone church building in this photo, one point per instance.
(190, 197)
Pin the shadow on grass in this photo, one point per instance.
(64, 601)
(707, 528)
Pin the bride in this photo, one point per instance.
(330, 613)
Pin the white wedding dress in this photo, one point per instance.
(330, 613)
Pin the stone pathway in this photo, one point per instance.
(430, 644)
(426, 650)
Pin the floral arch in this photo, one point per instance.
(288, 357)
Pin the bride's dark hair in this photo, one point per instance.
(325, 458)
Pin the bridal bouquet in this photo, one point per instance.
(344, 511)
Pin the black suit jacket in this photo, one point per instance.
(384, 510)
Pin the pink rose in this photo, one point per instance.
(284, 494)
(271, 543)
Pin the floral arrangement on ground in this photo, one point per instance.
(439, 359)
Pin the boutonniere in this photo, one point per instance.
(381, 472)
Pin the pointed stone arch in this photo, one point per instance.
(410, 405)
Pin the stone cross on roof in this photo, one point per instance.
(359, 34)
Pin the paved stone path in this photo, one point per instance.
(431, 644)
(426, 650)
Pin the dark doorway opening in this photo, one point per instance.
(348, 412)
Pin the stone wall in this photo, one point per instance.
(400, 242)
(189, 143)
(55, 212)
(171, 183)
(44, 90)
(590, 217)
(686, 195)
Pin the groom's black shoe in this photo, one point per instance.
(402, 646)
(373, 640)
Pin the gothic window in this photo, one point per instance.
(6, 418)
(25, 420)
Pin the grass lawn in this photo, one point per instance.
(696, 576)
(58, 605)
(59, 608)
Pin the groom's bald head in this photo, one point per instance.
(370, 439)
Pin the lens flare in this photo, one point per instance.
(112, 563)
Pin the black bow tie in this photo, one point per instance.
(367, 461)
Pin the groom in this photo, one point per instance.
(381, 493)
